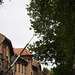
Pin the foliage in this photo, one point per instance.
(41, 73)
(61, 70)
(46, 70)
(1, 1)
(51, 72)
(54, 21)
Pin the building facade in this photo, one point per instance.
(25, 65)
(33, 67)
(20, 67)
(36, 67)
(6, 52)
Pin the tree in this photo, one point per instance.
(1, 1)
(54, 21)
(51, 72)
(46, 70)
(41, 73)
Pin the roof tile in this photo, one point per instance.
(25, 52)
(35, 63)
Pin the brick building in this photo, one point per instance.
(33, 67)
(36, 67)
(20, 67)
(6, 52)
(28, 57)
(25, 65)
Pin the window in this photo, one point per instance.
(15, 67)
(31, 73)
(22, 68)
(7, 62)
(19, 68)
(26, 67)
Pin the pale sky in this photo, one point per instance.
(15, 23)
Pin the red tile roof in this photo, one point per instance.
(35, 63)
(25, 52)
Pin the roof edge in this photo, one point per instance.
(2, 40)
(35, 66)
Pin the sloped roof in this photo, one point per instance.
(25, 52)
(4, 38)
(35, 63)
(2, 35)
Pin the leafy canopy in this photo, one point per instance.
(1, 1)
(54, 21)
(46, 70)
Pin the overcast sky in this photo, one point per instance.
(15, 23)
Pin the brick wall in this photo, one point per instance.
(20, 67)
(4, 58)
(28, 58)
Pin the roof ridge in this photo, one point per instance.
(26, 52)
(2, 34)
